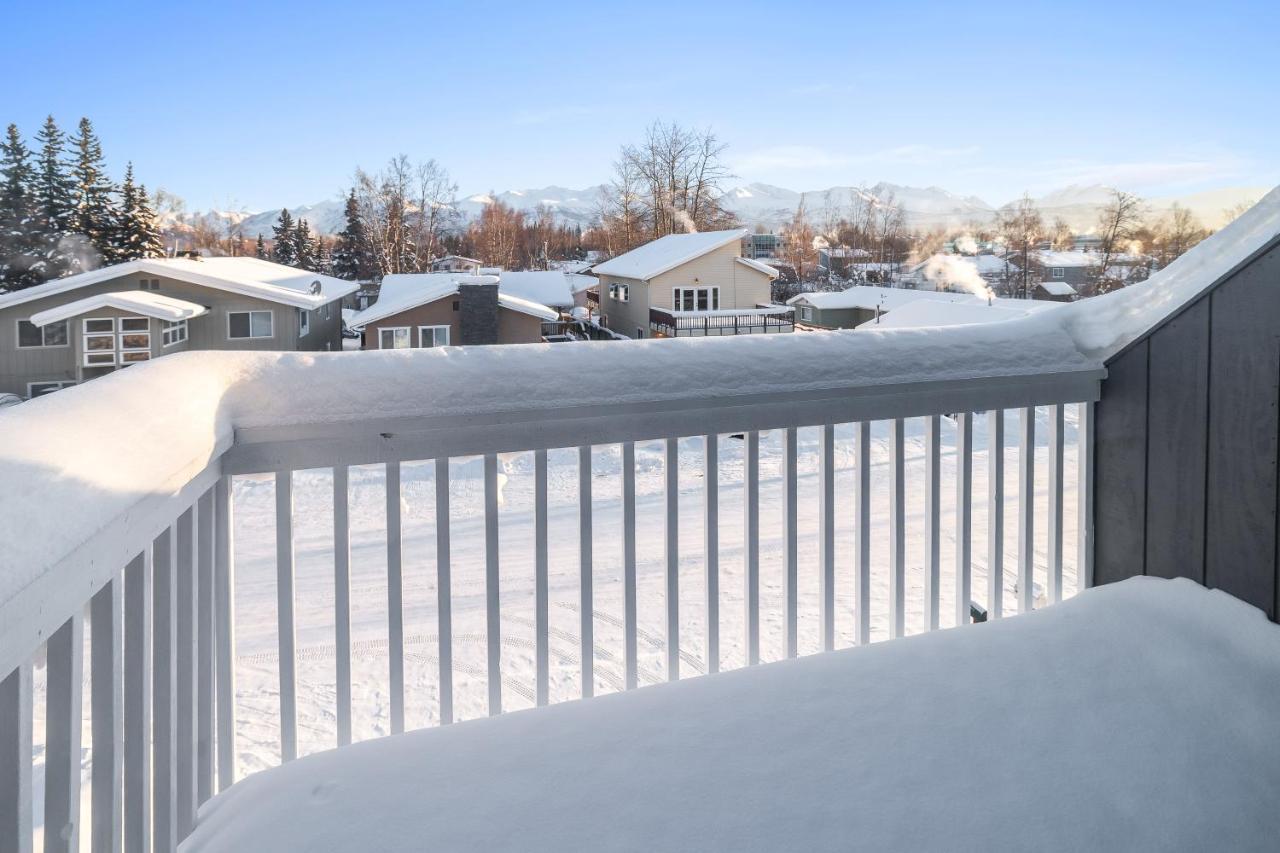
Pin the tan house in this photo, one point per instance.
(447, 309)
(689, 284)
(72, 329)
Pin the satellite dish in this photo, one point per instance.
(315, 287)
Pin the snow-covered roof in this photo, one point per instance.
(931, 312)
(869, 297)
(803, 755)
(247, 276)
(550, 287)
(984, 264)
(143, 302)
(666, 253)
(1057, 288)
(409, 290)
(579, 282)
(455, 258)
(759, 267)
(1068, 259)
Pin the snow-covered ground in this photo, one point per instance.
(257, 671)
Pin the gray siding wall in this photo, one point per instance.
(1187, 436)
(20, 366)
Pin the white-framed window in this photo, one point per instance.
(696, 298)
(173, 333)
(304, 322)
(1059, 272)
(806, 312)
(393, 338)
(135, 335)
(250, 324)
(31, 336)
(39, 389)
(620, 292)
(100, 358)
(135, 356)
(99, 340)
(433, 336)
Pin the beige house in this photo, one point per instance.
(446, 309)
(689, 284)
(73, 329)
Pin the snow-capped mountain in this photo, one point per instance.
(772, 206)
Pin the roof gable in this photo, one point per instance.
(143, 302)
(666, 253)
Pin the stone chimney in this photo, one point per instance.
(479, 310)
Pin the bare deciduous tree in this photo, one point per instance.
(1022, 229)
(1117, 223)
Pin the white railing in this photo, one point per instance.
(159, 584)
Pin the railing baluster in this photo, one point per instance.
(225, 631)
(711, 546)
(137, 702)
(898, 533)
(15, 760)
(932, 520)
(862, 512)
(790, 523)
(1084, 491)
(1056, 427)
(751, 547)
(164, 706)
(106, 696)
(444, 590)
(63, 714)
(1026, 511)
(964, 516)
(395, 598)
(286, 625)
(185, 661)
(629, 629)
(671, 552)
(586, 601)
(493, 622)
(541, 599)
(827, 536)
(342, 600)
(995, 512)
(204, 647)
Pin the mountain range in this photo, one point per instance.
(768, 206)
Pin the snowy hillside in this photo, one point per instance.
(772, 206)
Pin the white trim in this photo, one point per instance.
(175, 326)
(304, 323)
(408, 336)
(433, 336)
(713, 297)
(61, 383)
(1059, 272)
(17, 334)
(132, 303)
(85, 362)
(251, 336)
(121, 334)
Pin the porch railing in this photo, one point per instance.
(726, 322)
(156, 589)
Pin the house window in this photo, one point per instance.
(397, 338)
(639, 332)
(250, 324)
(39, 389)
(135, 334)
(696, 298)
(135, 356)
(149, 284)
(1059, 272)
(620, 292)
(304, 322)
(456, 303)
(99, 341)
(174, 333)
(31, 335)
(433, 336)
(806, 313)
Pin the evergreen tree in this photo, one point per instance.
(324, 257)
(305, 246)
(284, 250)
(94, 214)
(55, 202)
(352, 259)
(260, 251)
(138, 234)
(21, 256)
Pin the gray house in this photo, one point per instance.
(854, 306)
(83, 326)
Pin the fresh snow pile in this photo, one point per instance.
(924, 313)
(1138, 716)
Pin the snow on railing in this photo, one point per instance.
(129, 497)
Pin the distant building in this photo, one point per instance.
(863, 304)
(1055, 291)
(940, 272)
(689, 285)
(80, 327)
(837, 260)
(758, 246)
(1078, 269)
(456, 263)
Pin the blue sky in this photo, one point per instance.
(264, 104)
